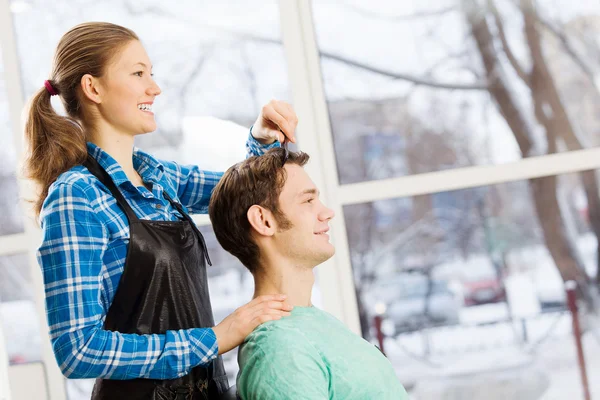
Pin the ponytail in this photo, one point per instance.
(54, 144)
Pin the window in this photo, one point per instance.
(441, 275)
(11, 218)
(18, 314)
(407, 91)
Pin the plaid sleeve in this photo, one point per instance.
(194, 186)
(255, 148)
(71, 257)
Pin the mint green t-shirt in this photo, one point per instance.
(311, 355)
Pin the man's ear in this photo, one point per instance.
(91, 88)
(261, 220)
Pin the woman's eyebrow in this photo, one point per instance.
(142, 64)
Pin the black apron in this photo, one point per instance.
(163, 287)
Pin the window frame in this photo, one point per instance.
(304, 72)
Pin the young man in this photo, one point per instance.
(266, 211)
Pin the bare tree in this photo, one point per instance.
(549, 113)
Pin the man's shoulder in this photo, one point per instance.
(284, 332)
(278, 357)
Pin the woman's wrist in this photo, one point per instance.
(262, 141)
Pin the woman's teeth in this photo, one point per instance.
(145, 107)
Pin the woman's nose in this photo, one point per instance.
(154, 89)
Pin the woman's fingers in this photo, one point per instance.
(287, 112)
(283, 116)
(262, 316)
(269, 311)
(263, 303)
(266, 307)
(235, 327)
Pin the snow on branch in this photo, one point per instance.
(506, 47)
(395, 18)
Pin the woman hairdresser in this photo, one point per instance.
(124, 266)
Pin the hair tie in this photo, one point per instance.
(50, 89)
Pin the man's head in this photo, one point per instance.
(261, 210)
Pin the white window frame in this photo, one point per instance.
(336, 278)
(29, 240)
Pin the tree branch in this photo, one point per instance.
(244, 36)
(500, 91)
(405, 77)
(506, 47)
(396, 18)
(564, 40)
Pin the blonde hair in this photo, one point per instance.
(54, 143)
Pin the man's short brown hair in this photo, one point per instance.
(254, 181)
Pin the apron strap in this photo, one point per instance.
(179, 208)
(96, 169)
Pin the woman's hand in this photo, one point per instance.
(232, 331)
(277, 121)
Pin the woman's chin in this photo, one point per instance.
(147, 129)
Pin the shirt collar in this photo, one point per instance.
(149, 168)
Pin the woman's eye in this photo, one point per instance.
(139, 73)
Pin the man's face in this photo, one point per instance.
(307, 240)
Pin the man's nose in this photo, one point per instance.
(327, 214)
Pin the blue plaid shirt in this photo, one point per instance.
(85, 237)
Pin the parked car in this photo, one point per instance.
(412, 302)
(483, 290)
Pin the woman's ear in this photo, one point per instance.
(91, 88)
(261, 220)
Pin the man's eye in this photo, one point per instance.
(310, 200)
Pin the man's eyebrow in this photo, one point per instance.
(308, 191)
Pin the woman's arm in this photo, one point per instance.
(256, 148)
(71, 258)
(194, 186)
(276, 122)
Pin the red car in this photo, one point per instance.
(483, 291)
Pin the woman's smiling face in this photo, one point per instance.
(128, 91)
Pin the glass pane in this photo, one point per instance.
(11, 218)
(18, 314)
(231, 286)
(468, 281)
(405, 85)
(209, 60)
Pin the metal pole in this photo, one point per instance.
(571, 287)
(378, 320)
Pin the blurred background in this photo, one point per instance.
(457, 141)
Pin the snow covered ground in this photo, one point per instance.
(467, 353)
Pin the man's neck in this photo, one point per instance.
(293, 281)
